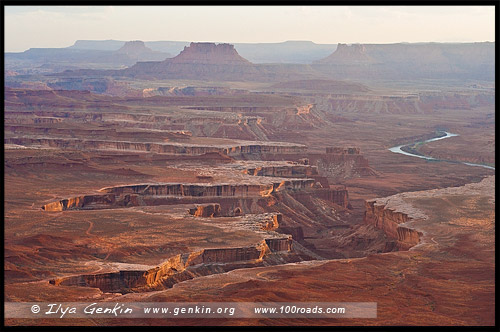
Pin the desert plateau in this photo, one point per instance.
(300, 172)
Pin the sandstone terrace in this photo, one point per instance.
(339, 136)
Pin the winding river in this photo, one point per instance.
(397, 149)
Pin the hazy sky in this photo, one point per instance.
(61, 26)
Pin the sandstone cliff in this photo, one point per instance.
(185, 266)
(209, 53)
(197, 61)
(209, 210)
(163, 194)
(391, 221)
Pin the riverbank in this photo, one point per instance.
(412, 150)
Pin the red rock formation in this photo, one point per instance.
(389, 221)
(134, 49)
(80, 202)
(296, 232)
(280, 244)
(338, 195)
(209, 210)
(209, 53)
(295, 171)
(181, 267)
(237, 212)
(108, 282)
(351, 54)
(146, 194)
(198, 61)
(167, 148)
(273, 223)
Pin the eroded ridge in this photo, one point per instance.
(169, 193)
(277, 249)
(226, 148)
(392, 223)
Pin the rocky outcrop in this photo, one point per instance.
(81, 202)
(164, 194)
(165, 148)
(273, 223)
(137, 50)
(209, 210)
(296, 232)
(115, 282)
(196, 61)
(183, 267)
(348, 54)
(337, 194)
(280, 244)
(391, 222)
(209, 53)
(214, 190)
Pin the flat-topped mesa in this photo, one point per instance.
(338, 150)
(134, 48)
(197, 61)
(389, 221)
(355, 53)
(170, 193)
(186, 266)
(88, 201)
(198, 190)
(209, 53)
(238, 149)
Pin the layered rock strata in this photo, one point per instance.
(392, 223)
(160, 194)
(184, 267)
(166, 148)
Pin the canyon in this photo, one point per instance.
(204, 176)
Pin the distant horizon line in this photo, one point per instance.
(233, 43)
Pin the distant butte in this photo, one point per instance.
(209, 53)
(197, 61)
(134, 48)
(355, 53)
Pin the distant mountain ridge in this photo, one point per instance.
(196, 61)
(59, 59)
(209, 53)
(211, 61)
(415, 60)
(284, 52)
